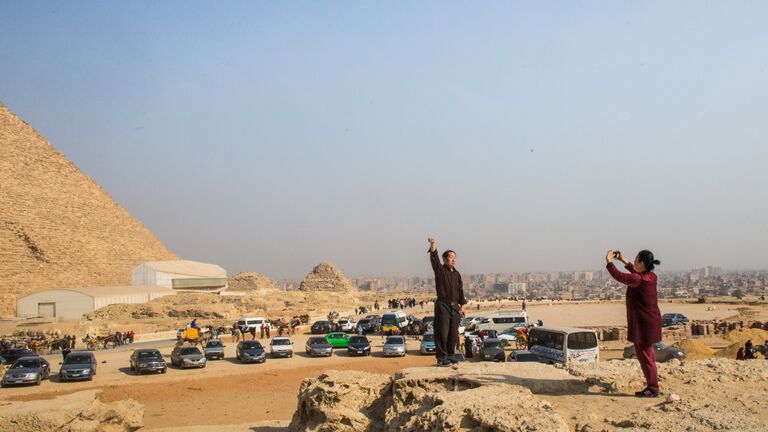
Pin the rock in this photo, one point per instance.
(673, 398)
(326, 277)
(81, 411)
(477, 397)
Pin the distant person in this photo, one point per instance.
(643, 315)
(267, 327)
(749, 350)
(65, 352)
(740, 354)
(449, 306)
(540, 323)
(193, 324)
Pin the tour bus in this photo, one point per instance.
(501, 321)
(393, 321)
(566, 345)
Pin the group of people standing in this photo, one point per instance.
(643, 314)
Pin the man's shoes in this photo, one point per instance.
(647, 393)
(443, 363)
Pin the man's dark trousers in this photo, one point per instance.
(447, 317)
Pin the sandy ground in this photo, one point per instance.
(226, 392)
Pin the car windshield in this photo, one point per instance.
(318, 341)
(27, 363)
(389, 319)
(343, 321)
(281, 342)
(493, 344)
(214, 344)
(149, 354)
(188, 351)
(251, 345)
(363, 322)
(320, 323)
(358, 339)
(428, 338)
(77, 359)
(394, 340)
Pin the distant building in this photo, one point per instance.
(75, 302)
(181, 275)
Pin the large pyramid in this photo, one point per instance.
(326, 277)
(58, 228)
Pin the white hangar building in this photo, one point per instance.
(181, 275)
(75, 302)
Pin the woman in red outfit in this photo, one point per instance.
(643, 315)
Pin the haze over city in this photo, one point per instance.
(270, 137)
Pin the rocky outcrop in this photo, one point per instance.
(81, 411)
(248, 281)
(468, 398)
(326, 277)
(58, 228)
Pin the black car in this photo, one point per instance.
(367, 325)
(250, 352)
(12, 354)
(670, 319)
(147, 360)
(492, 350)
(322, 327)
(359, 345)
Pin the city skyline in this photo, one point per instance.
(269, 137)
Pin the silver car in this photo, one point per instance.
(661, 351)
(214, 349)
(79, 365)
(27, 370)
(395, 346)
(318, 346)
(186, 357)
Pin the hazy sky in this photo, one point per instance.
(528, 136)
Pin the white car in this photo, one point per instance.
(508, 336)
(346, 324)
(281, 347)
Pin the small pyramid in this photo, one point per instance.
(249, 281)
(326, 277)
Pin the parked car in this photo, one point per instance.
(321, 327)
(395, 346)
(345, 325)
(250, 351)
(671, 319)
(281, 347)
(359, 345)
(214, 349)
(662, 351)
(375, 320)
(428, 324)
(27, 370)
(367, 325)
(338, 339)
(427, 343)
(522, 356)
(186, 357)
(491, 349)
(148, 360)
(12, 354)
(317, 346)
(508, 336)
(78, 365)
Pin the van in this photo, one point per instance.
(501, 321)
(393, 321)
(564, 345)
(247, 323)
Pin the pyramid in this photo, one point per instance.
(58, 228)
(249, 281)
(326, 277)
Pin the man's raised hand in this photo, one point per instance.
(431, 241)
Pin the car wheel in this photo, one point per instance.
(163, 371)
(39, 380)
(90, 378)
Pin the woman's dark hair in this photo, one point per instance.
(445, 254)
(646, 257)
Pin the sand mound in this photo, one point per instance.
(81, 411)
(758, 336)
(695, 350)
(730, 351)
(248, 281)
(182, 305)
(326, 277)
